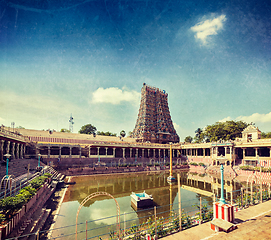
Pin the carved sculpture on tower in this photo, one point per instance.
(154, 122)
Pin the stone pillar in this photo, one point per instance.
(131, 152)
(12, 149)
(59, 152)
(106, 148)
(216, 151)
(137, 152)
(159, 153)
(89, 147)
(80, 151)
(2, 149)
(164, 153)
(49, 151)
(148, 153)
(7, 148)
(203, 150)
(256, 152)
(123, 152)
(154, 152)
(70, 152)
(143, 152)
(244, 155)
(24, 150)
(98, 151)
(114, 152)
(21, 151)
(17, 151)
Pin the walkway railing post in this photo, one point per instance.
(86, 229)
(124, 219)
(241, 197)
(155, 221)
(180, 203)
(261, 183)
(200, 209)
(247, 195)
(251, 193)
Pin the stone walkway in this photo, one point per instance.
(252, 223)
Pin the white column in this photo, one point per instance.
(123, 152)
(60, 151)
(2, 149)
(114, 152)
(12, 149)
(106, 151)
(49, 151)
(70, 152)
(7, 148)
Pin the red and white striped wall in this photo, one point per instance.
(224, 211)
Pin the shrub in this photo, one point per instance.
(2, 218)
(202, 164)
(194, 164)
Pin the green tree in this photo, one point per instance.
(228, 130)
(65, 130)
(266, 135)
(106, 133)
(199, 135)
(122, 133)
(188, 139)
(88, 129)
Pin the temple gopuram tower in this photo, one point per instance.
(154, 122)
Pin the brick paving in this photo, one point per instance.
(252, 223)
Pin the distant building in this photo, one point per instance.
(154, 122)
(251, 133)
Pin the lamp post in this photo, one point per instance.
(7, 156)
(170, 178)
(222, 199)
(39, 160)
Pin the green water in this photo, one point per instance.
(121, 187)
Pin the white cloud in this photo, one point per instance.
(114, 95)
(225, 119)
(255, 118)
(177, 127)
(208, 28)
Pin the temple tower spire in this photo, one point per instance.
(154, 122)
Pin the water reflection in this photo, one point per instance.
(121, 186)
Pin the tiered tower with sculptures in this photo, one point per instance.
(154, 122)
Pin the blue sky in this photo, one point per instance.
(91, 58)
